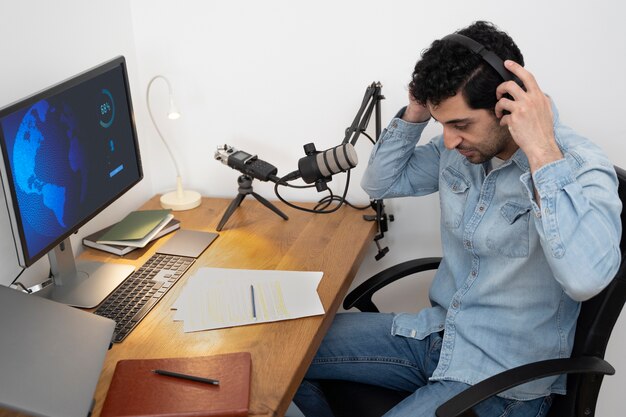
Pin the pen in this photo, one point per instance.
(185, 376)
(253, 302)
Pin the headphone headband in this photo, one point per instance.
(488, 56)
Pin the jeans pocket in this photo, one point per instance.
(545, 406)
(434, 352)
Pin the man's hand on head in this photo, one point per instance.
(530, 118)
(415, 112)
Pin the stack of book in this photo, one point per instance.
(133, 232)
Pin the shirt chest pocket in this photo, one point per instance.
(453, 197)
(509, 233)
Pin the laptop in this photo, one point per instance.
(51, 355)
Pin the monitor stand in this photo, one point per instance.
(84, 283)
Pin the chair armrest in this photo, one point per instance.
(361, 296)
(496, 384)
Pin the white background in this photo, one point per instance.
(268, 77)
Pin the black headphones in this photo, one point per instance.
(488, 56)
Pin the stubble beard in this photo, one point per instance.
(500, 138)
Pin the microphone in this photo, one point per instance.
(322, 165)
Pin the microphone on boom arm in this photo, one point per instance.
(316, 167)
(319, 167)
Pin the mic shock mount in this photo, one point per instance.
(320, 183)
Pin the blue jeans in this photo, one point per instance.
(359, 347)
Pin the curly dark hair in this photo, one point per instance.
(447, 67)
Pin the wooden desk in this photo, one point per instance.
(253, 238)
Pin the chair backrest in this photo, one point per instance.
(593, 329)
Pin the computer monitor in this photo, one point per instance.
(68, 152)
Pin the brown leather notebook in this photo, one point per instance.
(136, 390)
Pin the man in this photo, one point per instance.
(529, 224)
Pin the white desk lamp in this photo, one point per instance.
(180, 199)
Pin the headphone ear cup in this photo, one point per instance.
(507, 95)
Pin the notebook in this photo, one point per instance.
(136, 390)
(121, 250)
(51, 355)
(137, 228)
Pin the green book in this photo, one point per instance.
(136, 226)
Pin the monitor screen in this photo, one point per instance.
(67, 153)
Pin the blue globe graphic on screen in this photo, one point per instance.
(49, 171)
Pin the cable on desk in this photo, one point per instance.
(324, 203)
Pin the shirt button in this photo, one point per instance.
(481, 208)
(473, 273)
(455, 304)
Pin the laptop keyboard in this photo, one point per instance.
(129, 303)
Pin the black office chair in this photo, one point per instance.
(586, 366)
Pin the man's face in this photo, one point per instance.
(474, 133)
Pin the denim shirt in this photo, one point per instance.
(513, 273)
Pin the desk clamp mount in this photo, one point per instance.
(381, 220)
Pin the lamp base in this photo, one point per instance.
(179, 201)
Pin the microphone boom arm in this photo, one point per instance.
(371, 101)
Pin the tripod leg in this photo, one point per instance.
(269, 205)
(230, 210)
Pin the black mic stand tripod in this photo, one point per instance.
(245, 188)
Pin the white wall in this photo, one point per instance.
(268, 77)
(42, 43)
